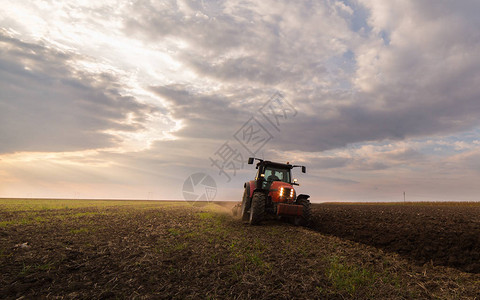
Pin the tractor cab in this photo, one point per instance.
(269, 172)
(272, 174)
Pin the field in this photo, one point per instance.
(150, 250)
(443, 234)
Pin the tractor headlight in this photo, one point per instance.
(291, 193)
(281, 192)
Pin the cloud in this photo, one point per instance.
(404, 72)
(204, 115)
(378, 86)
(331, 162)
(428, 68)
(49, 105)
(249, 43)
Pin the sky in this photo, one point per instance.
(129, 99)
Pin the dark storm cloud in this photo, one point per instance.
(46, 105)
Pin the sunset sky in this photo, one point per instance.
(127, 99)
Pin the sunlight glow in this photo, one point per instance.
(136, 65)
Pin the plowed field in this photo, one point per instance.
(163, 250)
(447, 234)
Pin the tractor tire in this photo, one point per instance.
(257, 210)
(306, 217)
(245, 208)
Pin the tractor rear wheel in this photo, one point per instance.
(246, 203)
(257, 210)
(306, 217)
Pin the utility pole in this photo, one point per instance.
(403, 197)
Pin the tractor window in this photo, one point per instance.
(273, 174)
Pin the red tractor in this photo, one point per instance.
(272, 193)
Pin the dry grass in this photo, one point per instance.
(26, 204)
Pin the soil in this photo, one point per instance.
(446, 235)
(180, 251)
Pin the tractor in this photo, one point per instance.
(272, 194)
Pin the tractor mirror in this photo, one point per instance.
(304, 169)
(250, 160)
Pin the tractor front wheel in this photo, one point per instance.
(306, 217)
(246, 203)
(257, 210)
